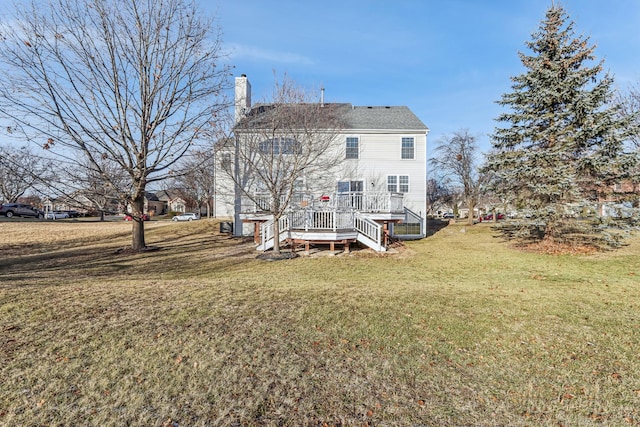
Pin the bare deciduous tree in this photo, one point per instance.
(96, 186)
(438, 194)
(198, 182)
(20, 170)
(283, 143)
(456, 156)
(629, 103)
(133, 83)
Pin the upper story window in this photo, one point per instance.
(353, 147)
(277, 146)
(225, 160)
(408, 148)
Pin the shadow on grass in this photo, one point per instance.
(435, 225)
(191, 253)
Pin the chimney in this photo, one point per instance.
(243, 97)
(322, 97)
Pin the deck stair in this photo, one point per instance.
(324, 225)
(369, 232)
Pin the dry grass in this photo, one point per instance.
(456, 330)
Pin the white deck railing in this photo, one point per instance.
(368, 202)
(370, 229)
(382, 202)
(267, 229)
(312, 220)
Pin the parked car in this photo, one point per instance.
(20, 209)
(145, 217)
(56, 215)
(448, 215)
(188, 216)
(489, 217)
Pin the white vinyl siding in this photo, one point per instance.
(380, 157)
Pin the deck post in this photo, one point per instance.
(256, 233)
(385, 233)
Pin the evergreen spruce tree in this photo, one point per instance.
(562, 144)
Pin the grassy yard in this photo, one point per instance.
(456, 329)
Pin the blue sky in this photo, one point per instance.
(447, 60)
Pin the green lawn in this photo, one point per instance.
(456, 329)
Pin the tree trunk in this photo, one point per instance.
(137, 206)
(276, 235)
(471, 217)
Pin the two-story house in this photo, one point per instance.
(379, 176)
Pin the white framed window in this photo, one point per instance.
(403, 183)
(408, 148)
(392, 183)
(352, 147)
(277, 146)
(398, 183)
(225, 160)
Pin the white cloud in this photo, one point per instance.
(240, 51)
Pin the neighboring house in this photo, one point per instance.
(162, 202)
(77, 202)
(152, 205)
(381, 178)
(61, 204)
(621, 200)
(170, 201)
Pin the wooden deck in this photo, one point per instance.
(341, 219)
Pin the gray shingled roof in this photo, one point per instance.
(360, 117)
(397, 118)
